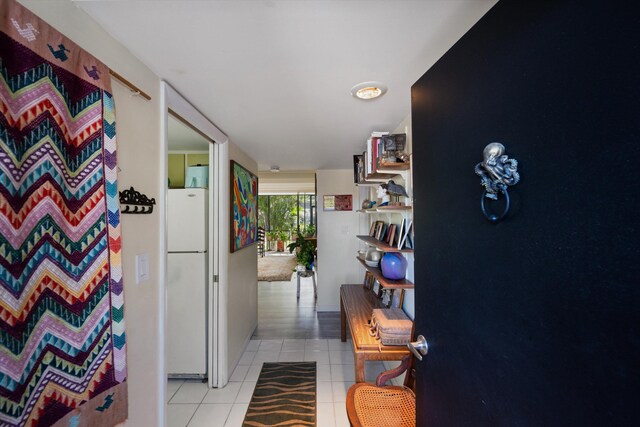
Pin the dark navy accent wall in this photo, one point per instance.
(534, 321)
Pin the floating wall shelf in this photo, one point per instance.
(387, 283)
(382, 245)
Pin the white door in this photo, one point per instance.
(187, 220)
(186, 313)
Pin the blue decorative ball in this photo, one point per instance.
(393, 265)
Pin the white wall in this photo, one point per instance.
(242, 291)
(337, 242)
(138, 136)
(408, 304)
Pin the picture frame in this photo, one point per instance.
(372, 230)
(400, 232)
(406, 239)
(244, 207)
(397, 299)
(337, 202)
(386, 297)
(409, 243)
(379, 225)
(376, 288)
(368, 280)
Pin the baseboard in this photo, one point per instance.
(328, 308)
(244, 348)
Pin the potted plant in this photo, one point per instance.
(310, 230)
(305, 251)
(282, 237)
(273, 237)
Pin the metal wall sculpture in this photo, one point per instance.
(497, 171)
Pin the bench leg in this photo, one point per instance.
(298, 294)
(343, 323)
(359, 365)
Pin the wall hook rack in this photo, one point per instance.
(496, 171)
(134, 202)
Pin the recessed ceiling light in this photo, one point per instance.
(368, 90)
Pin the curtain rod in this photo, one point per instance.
(135, 89)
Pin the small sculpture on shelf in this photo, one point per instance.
(393, 266)
(389, 190)
(396, 189)
(368, 204)
(383, 195)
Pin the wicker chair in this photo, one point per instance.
(378, 405)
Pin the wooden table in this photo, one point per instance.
(356, 306)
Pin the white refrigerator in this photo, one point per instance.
(187, 265)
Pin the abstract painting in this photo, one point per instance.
(244, 207)
(62, 338)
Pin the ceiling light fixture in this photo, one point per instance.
(368, 90)
(275, 169)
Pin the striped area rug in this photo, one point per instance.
(285, 395)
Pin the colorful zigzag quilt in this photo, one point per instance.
(62, 339)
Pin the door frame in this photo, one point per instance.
(172, 101)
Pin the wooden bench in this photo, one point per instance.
(356, 306)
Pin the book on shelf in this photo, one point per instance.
(369, 158)
(376, 152)
(383, 234)
(392, 234)
(379, 134)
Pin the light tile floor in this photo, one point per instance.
(192, 404)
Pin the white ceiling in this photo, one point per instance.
(275, 75)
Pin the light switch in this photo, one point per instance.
(142, 268)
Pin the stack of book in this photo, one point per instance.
(395, 235)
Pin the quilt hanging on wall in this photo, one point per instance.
(62, 341)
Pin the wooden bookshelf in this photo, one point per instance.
(394, 208)
(381, 176)
(393, 167)
(387, 283)
(382, 245)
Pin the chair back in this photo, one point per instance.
(261, 236)
(406, 367)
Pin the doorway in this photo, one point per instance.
(195, 155)
(188, 246)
